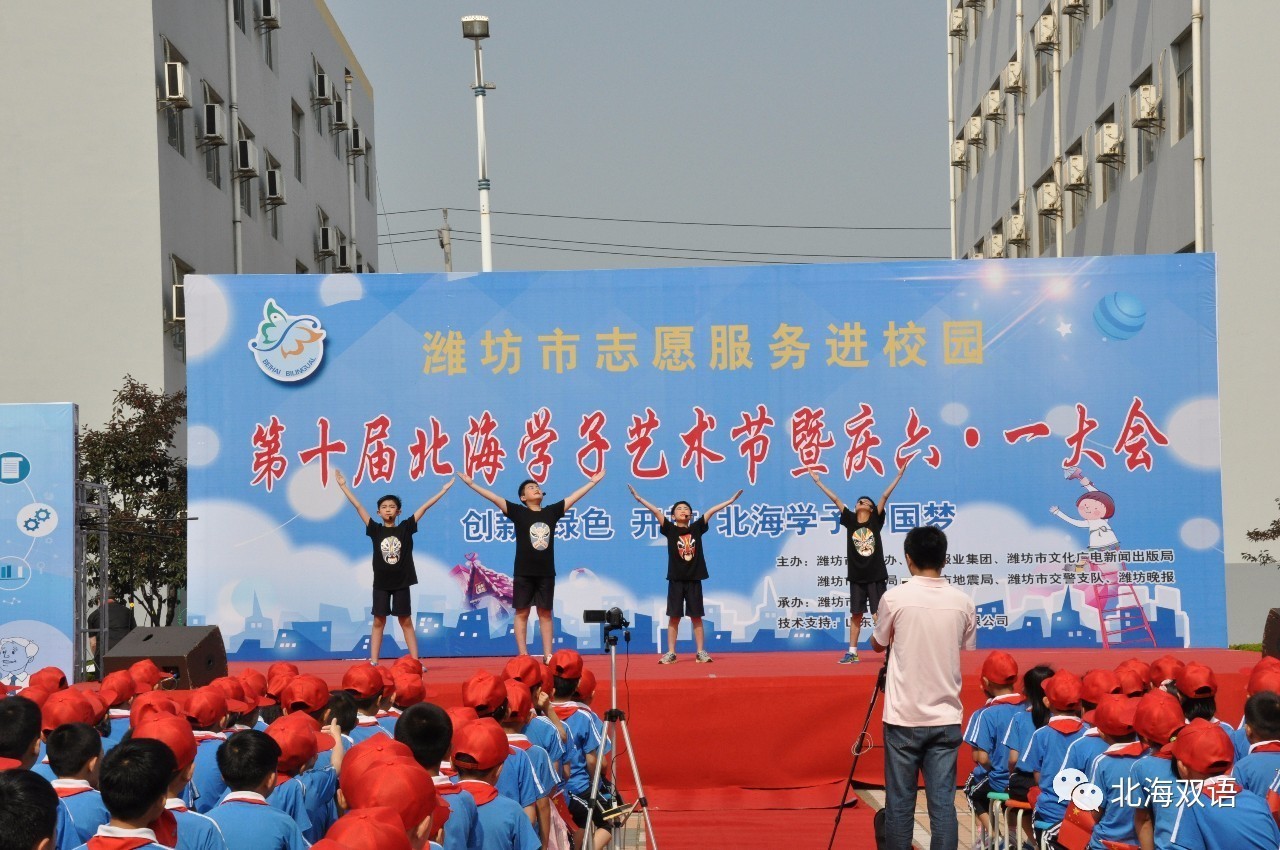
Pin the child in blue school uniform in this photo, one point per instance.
(1156, 720)
(1261, 678)
(135, 784)
(1047, 748)
(248, 761)
(479, 750)
(427, 731)
(1258, 768)
(1223, 816)
(987, 730)
(208, 711)
(195, 831)
(75, 750)
(28, 809)
(1110, 771)
(486, 693)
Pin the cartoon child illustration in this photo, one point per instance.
(16, 655)
(1096, 509)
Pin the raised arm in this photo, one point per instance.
(835, 500)
(654, 509)
(426, 506)
(582, 491)
(726, 503)
(488, 494)
(884, 499)
(351, 497)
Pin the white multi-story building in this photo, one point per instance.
(148, 140)
(1094, 127)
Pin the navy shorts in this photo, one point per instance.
(533, 592)
(862, 594)
(684, 599)
(395, 603)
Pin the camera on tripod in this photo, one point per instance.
(612, 618)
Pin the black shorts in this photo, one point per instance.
(578, 808)
(1020, 784)
(976, 789)
(864, 593)
(684, 599)
(392, 602)
(533, 592)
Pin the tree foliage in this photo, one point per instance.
(134, 456)
(1263, 535)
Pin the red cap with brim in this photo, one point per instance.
(1063, 690)
(1264, 679)
(1158, 716)
(173, 732)
(1165, 669)
(525, 669)
(64, 707)
(205, 707)
(146, 675)
(481, 745)
(363, 680)
(370, 754)
(1098, 683)
(1131, 684)
(1203, 746)
(567, 664)
(519, 702)
(999, 668)
(484, 692)
(297, 744)
(1114, 715)
(409, 689)
(586, 685)
(305, 693)
(365, 828)
(1196, 681)
(49, 679)
(402, 785)
(117, 688)
(150, 704)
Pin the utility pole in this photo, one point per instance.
(443, 234)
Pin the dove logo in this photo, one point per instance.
(287, 348)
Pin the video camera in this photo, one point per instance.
(612, 619)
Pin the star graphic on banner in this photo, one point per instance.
(1063, 329)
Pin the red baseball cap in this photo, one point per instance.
(173, 732)
(233, 689)
(1138, 666)
(459, 716)
(299, 738)
(150, 704)
(278, 667)
(1203, 746)
(388, 681)
(1098, 683)
(369, 754)
(480, 745)
(49, 679)
(999, 668)
(1264, 679)
(519, 702)
(255, 693)
(117, 688)
(330, 844)
(1267, 662)
(1165, 669)
(1131, 683)
(1064, 690)
(206, 706)
(146, 675)
(1196, 680)
(525, 669)
(407, 664)
(379, 828)
(66, 706)
(305, 693)
(277, 684)
(409, 689)
(567, 664)
(36, 695)
(363, 680)
(586, 685)
(402, 785)
(96, 705)
(1158, 716)
(484, 692)
(1114, 714)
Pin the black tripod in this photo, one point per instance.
(861, 744)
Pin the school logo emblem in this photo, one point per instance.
(287, 348)
(864, 541)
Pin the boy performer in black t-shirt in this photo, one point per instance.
(393, 572)
(534, 574)
(867, 574)
(686, 568)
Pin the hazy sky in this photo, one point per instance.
(806, 112)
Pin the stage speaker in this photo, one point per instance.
(195, 654)
(1271, 634)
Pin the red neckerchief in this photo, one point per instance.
(1066, 725)
(68, 790)
(1265, 747)
(1220, 788)
(1007, 699)
(238, 797)
(175, 804)
(566, 710)
(1131, 750)
(203, 738)
(366, 720)
(166, 829)
(282, 778)
(441, 815)
(519, 742)
(9, 764)
(483, 792)
(107, 842)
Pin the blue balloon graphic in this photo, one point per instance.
(1120, 315)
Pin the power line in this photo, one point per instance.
(631, 254)
(664, 221)
(664, 247)
(382, 203)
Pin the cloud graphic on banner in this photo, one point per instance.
(1062, 420)
(954, 413)
(309, 498)
(1193, 434)
(339, 288)
(256, 555)
(1200, 532)
(207, 316)
(203, 445)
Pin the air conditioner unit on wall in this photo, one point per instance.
(324, 89)
(1144, 106)
(215, 125)
(177, 85)
(270, 17)
(344, 259)
(993, 105)
(959, 153)
(1013, 77)
(246, 159)
(959, 28)
(977, 255)
(1075, 8)
(327, 242)
(1077, 176)
(357, 142)
(1017, 230)
(996, 245)
(1046, 33)
(1049, 199)
(275, 187)
(975, 4)
(1109, 143)
(974, 131)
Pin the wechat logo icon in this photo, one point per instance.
(1071, 784)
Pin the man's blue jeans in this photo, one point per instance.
(909, 751)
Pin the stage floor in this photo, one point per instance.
(770, 730)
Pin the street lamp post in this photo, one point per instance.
(476, 28)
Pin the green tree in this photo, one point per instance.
(1263, 535)
(134, 456)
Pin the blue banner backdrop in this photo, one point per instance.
(37, 538)
(1006, 388)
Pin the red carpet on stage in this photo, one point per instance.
(771, 733)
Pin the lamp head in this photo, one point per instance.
(475, 27)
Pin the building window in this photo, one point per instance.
(1075, 34)
(962, 171)
(1144, 136)
(272, 208)
(237, 7)
(177, 129)
(298, 120)
(1044, 58)
(1079, 197)
(316, 108)
(1183, 67)
(212, 152)
(248, 199)
(996, 240)
(958, 44)
(299, 268)
(1103, 6)
(269, 48)
(368, 171)
(334, 133)
(1108, 172)
(975, 25)
(1046, 221)
(323, 264)
(975, 161)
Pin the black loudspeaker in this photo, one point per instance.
(195, 654)
(1271, 634)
